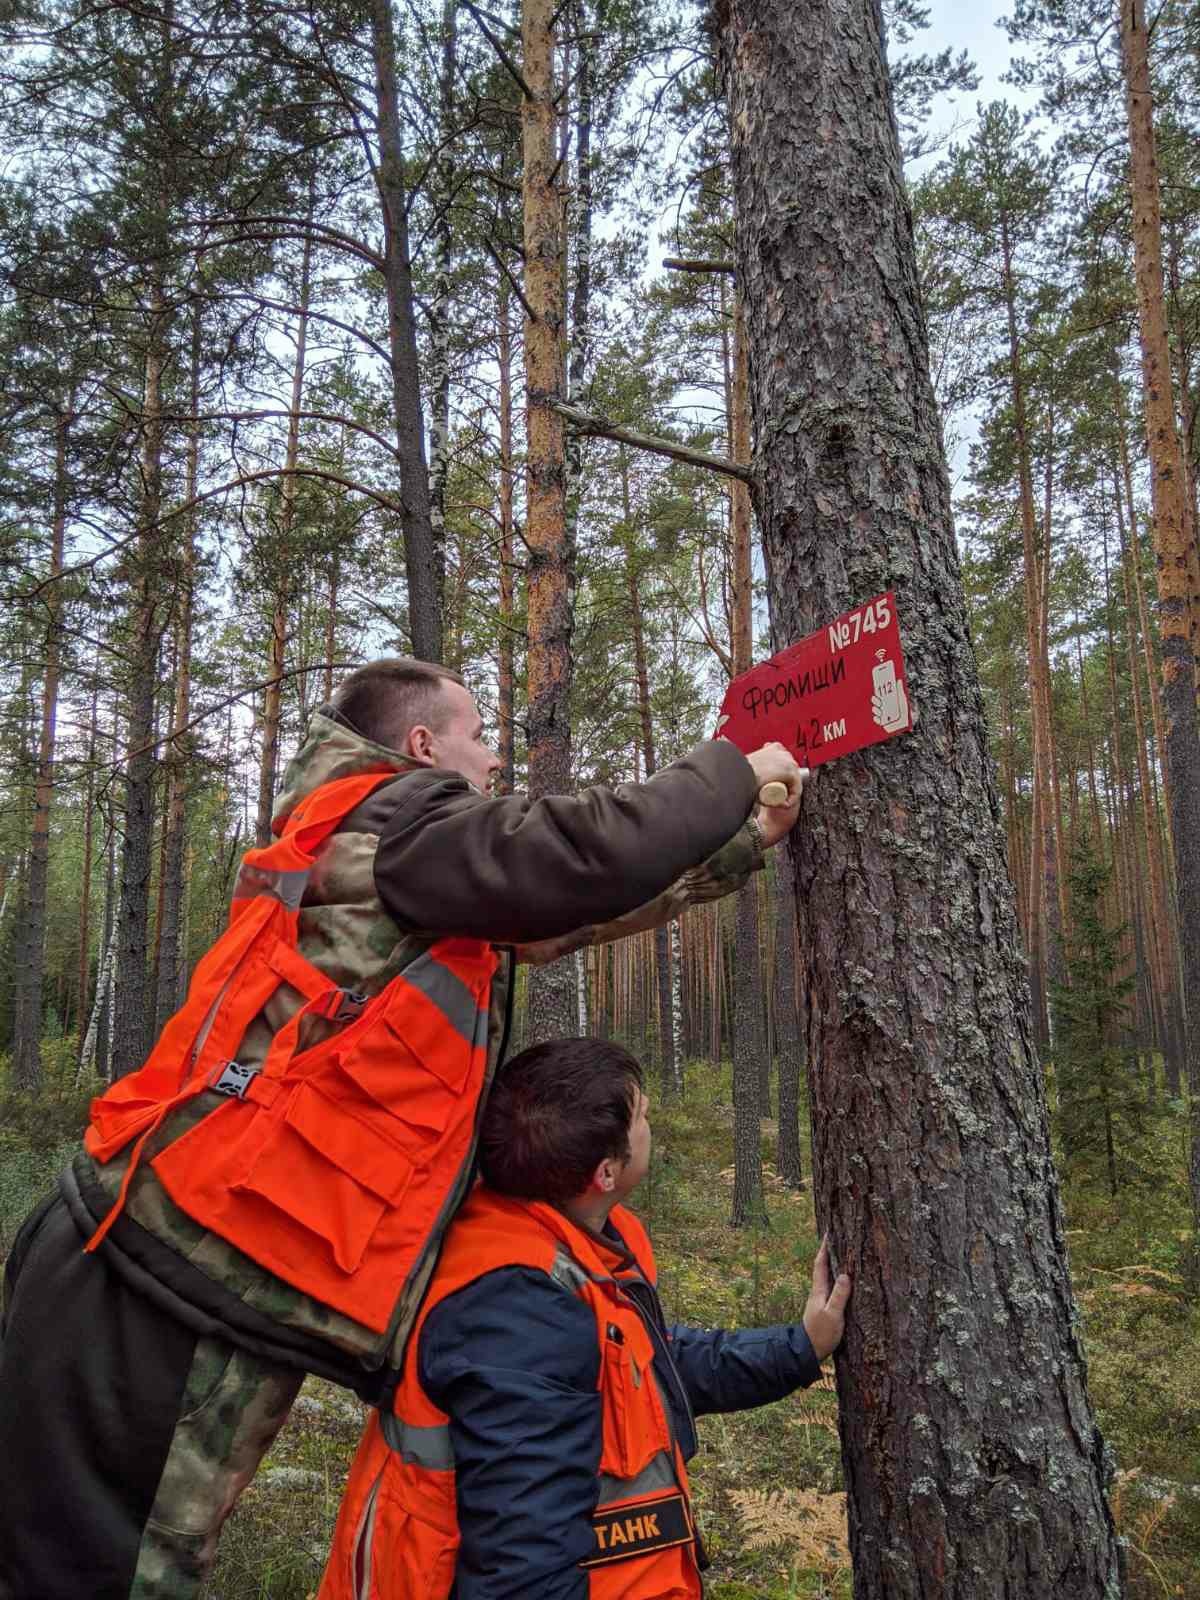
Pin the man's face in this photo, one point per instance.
(458, 743)
(638, 1164)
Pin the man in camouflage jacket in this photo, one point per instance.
(140, 1386)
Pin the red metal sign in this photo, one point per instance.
(839, 690)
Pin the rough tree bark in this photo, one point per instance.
(420, 555)
(974, 1467)
(1173, 552)
(551, 988)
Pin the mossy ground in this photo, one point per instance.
(767, 1483)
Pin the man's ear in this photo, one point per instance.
(604, 1179)
(419, 744)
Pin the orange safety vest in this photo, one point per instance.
(333, 1166)
(397, 1531)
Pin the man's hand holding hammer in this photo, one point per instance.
(781, 783)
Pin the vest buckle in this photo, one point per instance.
(349, 1005)
(233, 1079)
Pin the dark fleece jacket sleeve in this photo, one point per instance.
(732, 1371)
(452, 861)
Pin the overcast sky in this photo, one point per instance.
(972, 25)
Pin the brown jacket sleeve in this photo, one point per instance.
(452, 861)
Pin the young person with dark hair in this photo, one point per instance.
(537, 1445)
(248, 1219)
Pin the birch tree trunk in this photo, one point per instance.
(85, 876)
(974, 1467)
(1173, 554)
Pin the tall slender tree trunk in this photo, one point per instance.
(331, 616)
(171, 965)
(31, 948)
(85, 885)
(667, 1034)
(1174, 554)
(551, 988)
(420, 553)
(932, 1159)
(1046, 841)
(439, 319)
(1162, 961)
(751, 1065)
(506, 683)
(284, 565)
(579, 217)
(132, 1019)
(789, 1043)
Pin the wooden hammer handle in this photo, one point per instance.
(773, 794)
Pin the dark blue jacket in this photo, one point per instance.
(513, 1360)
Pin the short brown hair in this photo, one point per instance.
(388, 697)
(554, 1113)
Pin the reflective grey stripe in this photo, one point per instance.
(423, 1447)
(658, 1473)
(450, 995)
(567, 1272)
(286, 886)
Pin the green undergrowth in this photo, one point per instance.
(768, 1483)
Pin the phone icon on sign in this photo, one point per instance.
(889, 702)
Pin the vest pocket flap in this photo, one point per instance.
(386, 1069)
(329, 1172)
(360, 1150)
(634, 1426)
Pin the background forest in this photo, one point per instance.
(282, 345)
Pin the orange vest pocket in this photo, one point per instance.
(634, 1427)
(383, 1066)
(331, 1172)
(411, 1559)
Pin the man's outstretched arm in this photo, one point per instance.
(515, 871)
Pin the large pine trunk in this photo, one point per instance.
(973, 1463)
(1174, 553)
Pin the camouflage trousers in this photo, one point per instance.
(125, 1438)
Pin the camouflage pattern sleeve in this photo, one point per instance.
(725, 871)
